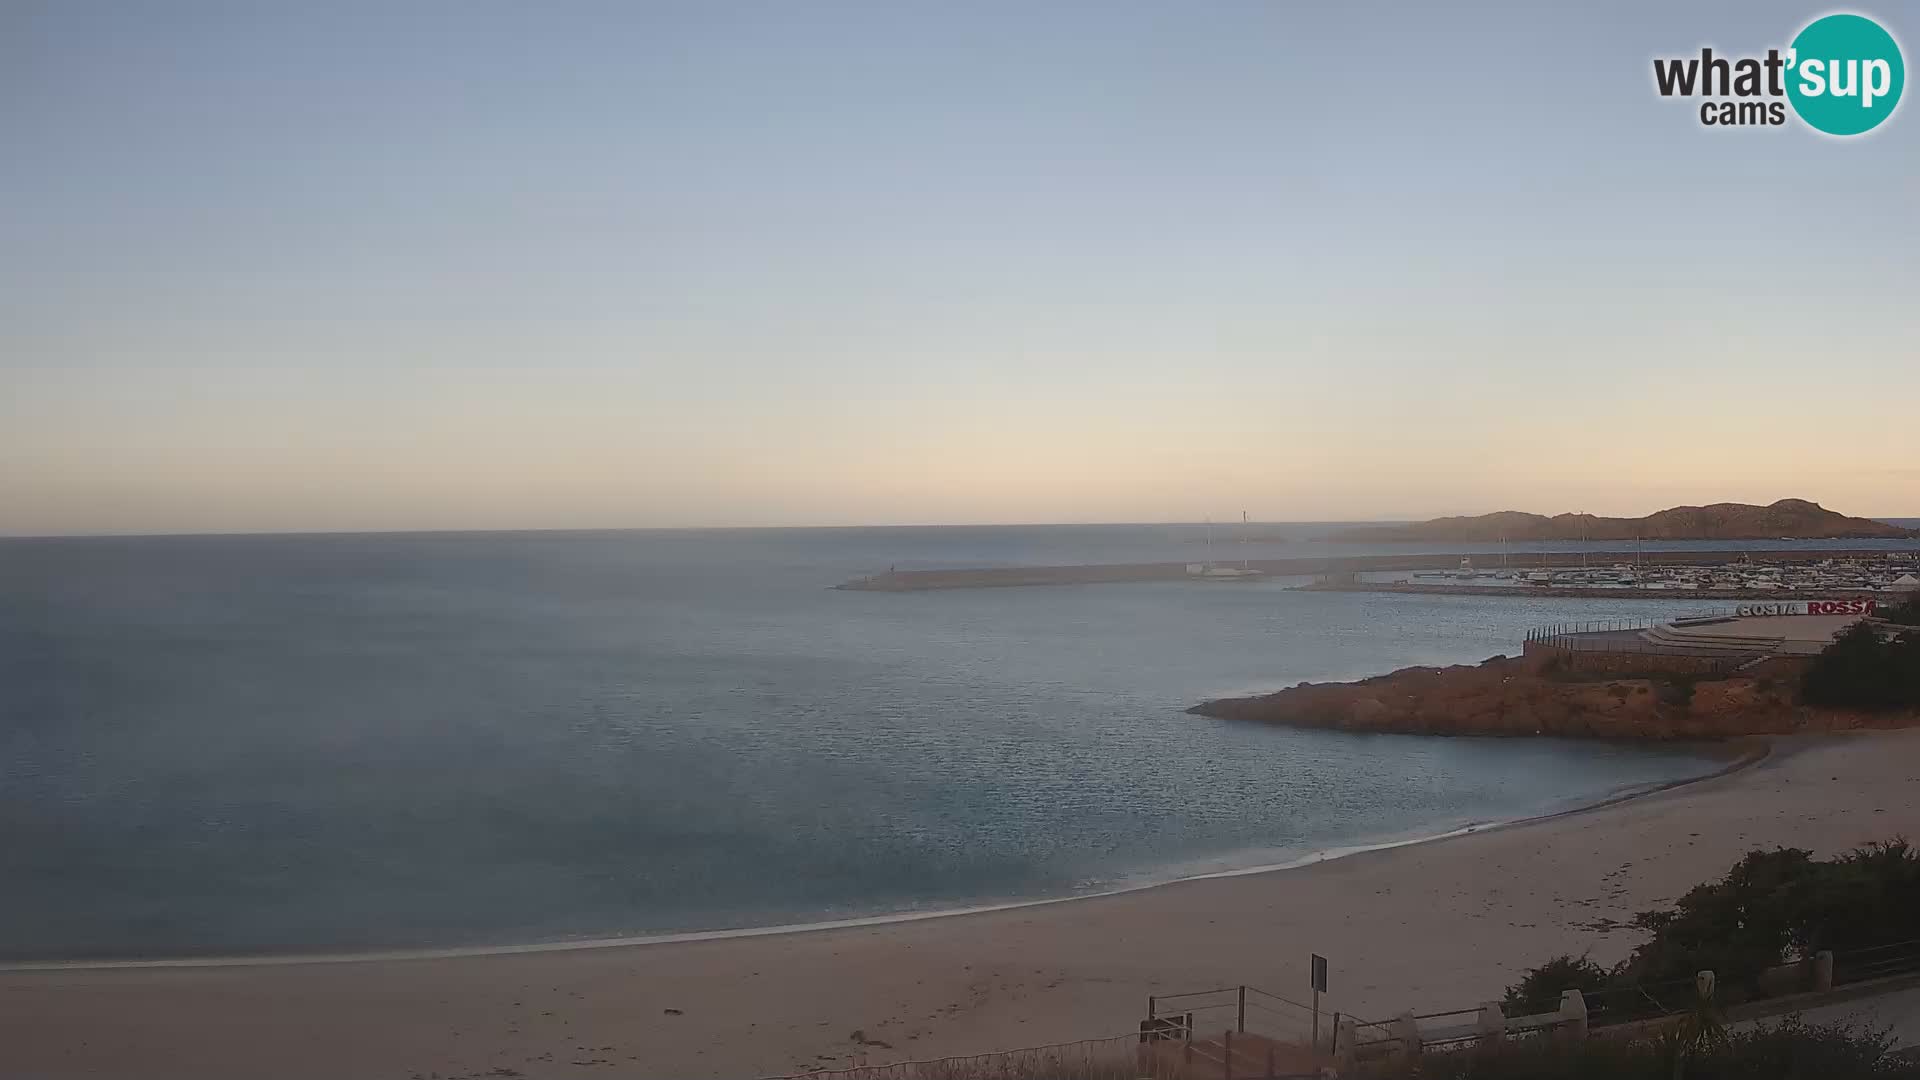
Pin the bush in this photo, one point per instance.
(1540, 989)
(1795, 1049)
(1677, 690)
(1867, 897)
(1734, 927)
(1863, 669)
(1772, 907)
(1790, 1050)
(1906, 612)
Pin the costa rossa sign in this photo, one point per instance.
(1856, 606)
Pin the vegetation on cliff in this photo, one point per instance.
(1790, 1050)
(1866, 684)
(1796, 518)
(1906, 613)
(1866, 669)
(1772, 908)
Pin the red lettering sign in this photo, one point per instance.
(1841, 607)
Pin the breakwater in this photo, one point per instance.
(989, 577)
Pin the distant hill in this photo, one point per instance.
(1796, 518)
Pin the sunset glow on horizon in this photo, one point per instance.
(493, 266)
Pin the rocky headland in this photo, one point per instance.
(1542, 696)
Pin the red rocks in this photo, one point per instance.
(1505, 696)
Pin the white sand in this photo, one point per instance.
(1436, 925)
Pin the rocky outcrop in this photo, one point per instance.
(1795, 518)
(1506, 696)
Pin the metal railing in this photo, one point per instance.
(1116, 1057)
(1170, 1044)
(1239, 1002)
(1639, 1001)
(1593, 639)
(1449, 1034)
(1599, 626)
(1373, 1039)
(1876, 962)
(1554, 631)
(1260, 1033)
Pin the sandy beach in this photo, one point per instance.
(1435, 925)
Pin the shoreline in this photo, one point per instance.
(1740, 752)
(1420, 925)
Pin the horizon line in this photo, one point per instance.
(240, 533)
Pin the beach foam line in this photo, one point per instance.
(1753, 751)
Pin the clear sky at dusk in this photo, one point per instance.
(368, 266)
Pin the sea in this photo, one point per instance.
(235, 745)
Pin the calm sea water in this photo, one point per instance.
(224, 744)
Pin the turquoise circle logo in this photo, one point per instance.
(1845, 74)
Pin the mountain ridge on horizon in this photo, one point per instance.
(1797, 519)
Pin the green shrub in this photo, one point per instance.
(1790, 1050)
(1864, 669)
(1865, 898)
(1771, 907)
(1906, 612)
(1677, 690)
(1540, 989)
(1734, 927)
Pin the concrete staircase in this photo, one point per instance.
(1695, 638)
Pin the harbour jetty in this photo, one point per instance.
(1334, 569)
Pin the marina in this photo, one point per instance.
(1883, 573)
(1719, 573)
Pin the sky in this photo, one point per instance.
(358, 266)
